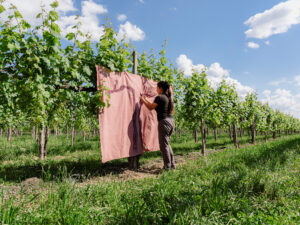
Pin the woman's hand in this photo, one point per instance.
(143, 99)
(148, 104)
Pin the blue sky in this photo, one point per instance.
(261, 54)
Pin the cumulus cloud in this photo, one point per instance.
(90, 23)
(130, 32)
(90, 8)
(276, 20)
(65, 5)
(241, 89)
(186, 65)
(294, 81)
(267, 92)
(30, 8)
(122, 17)
(280, 98)
(267, 42)
(89, 18)
(215, 74)
(275, 83)
(253, 45)
(297, 80)
(283, 80)
(284, 100)
(216, 70)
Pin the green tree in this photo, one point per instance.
(197, 102)
(251, 112)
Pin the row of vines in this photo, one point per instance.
(48, 83)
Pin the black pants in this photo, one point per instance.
(165, 130)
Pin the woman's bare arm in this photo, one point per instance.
(148, 104)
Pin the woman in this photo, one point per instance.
(164, 107)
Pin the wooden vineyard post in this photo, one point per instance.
(235, 135)
(42, 142)
(253, 132)
(9, 133)
(135, 63)
(203, 135)
(134, 161)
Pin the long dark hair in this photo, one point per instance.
(167, 91)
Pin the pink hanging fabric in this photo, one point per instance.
(127, 128)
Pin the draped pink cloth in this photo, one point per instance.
(127, 127)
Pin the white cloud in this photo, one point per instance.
(216, 70)
(186, 65)
(275, 83)
(30, 8)
(130, 32)
(267, 92)
(122, 17)
(267, 42)
(283, 100)
(215, 74)
(241, 89)
(90, 23)
(297, 80)
(91, 9)
(142, 1)
(281, 81)
(276, 20)
(89, 18)
(253, 45)
(66, 5)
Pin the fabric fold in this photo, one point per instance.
(127, 128)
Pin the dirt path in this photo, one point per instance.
(154, 167)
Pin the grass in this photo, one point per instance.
(253, 185)
(20, 158)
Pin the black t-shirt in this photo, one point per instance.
(162, 102)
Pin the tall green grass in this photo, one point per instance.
(19, 159)
(253, 185)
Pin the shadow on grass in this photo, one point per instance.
(274, 156)
(62, 150)
(57, 170)
(53, 170)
